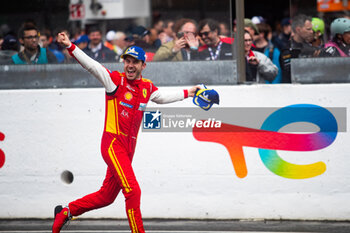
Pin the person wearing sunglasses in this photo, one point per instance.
(214, 48)
(32, 53)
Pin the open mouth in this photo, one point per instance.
(131, 72)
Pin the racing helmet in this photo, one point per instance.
(317, 25)
(340, 26)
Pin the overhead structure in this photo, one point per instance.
(108, 9)
(332, 5)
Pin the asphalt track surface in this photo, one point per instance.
(175, 226)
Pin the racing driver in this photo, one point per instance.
(127, 95)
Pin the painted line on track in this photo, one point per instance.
(158, 231)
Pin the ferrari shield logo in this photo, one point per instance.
(144, 92)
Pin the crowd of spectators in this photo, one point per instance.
(268, 53)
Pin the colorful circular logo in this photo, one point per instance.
(128, 96)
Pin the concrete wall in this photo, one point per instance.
(50, 131)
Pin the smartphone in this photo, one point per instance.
(179, 35)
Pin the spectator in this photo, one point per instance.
(258, 20)
(264, 45)
(231, 35)
(303, 36)
(82, 42)
(167, 34)
(282, 39)
(142, 39)
(141, 33)
(318, 29)
(1, 39)
(339, 45)
(258, 66)
(4, 30)
(76, 34)
(224, 30)
(213, 48)
(119, 43)
(96, 49)
(299, 46)
(251, 28)
(184, 44)
(53, 46)
(129, 40)
(109, 38)
(32, 53)
(10, 47)
(154, 33)
(45, 39)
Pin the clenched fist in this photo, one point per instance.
(63, 40)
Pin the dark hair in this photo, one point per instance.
(245, 31)
(167, 22)
(26, 27)
(213, 25)
(46, 32)
(179, 23)
(264, 28)
(94, 29)
(299, 21)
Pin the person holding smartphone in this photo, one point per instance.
(185, 45)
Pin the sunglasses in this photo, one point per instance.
(201, 34)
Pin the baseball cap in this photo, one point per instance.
(82, 39)
(10, 43)
(110, 35)
(129, 38)
(258, 19)
(205, 98)
(249, 23)
(140, 31)
(135, 52)
(285, 21)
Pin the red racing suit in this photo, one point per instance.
(125, 102)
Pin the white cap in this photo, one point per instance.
(258, 19)
(110, 35)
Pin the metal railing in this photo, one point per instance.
(74, 76)
(320, 70)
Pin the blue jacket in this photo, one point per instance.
(274, 56)
(41, 59)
